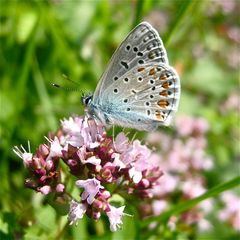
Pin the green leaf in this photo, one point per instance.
(26, 24)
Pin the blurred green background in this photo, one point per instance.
(41, 40)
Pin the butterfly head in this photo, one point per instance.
(86, 99)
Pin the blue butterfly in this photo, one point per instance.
(138, 89)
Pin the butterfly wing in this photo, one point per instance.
(143, 98)
(142, 46)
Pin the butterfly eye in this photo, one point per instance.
(86, 100)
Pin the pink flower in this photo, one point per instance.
(60, 188)
(159, 206)
(45, 190)
(193, 188)
(165, 185)
(115, 217)
(201, 125)
(184, 125)
(93, 160)
(55, 149)
(91, 189)
(231, 212)
(136, 176)
(98, 162)
(121, 143)
(76, 212)
(24, 155)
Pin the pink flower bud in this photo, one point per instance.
(43, 150)
(45, 190)
(96, 215)
(60, 188)
(97, 204)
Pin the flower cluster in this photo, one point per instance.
(231, 211)
(102, 166)
(183, 159)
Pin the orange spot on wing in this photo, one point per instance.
(164, 93)
(141, 69)
(163, 77)
(158, 115)
(162, 103)
(152, 71)
(165, 85)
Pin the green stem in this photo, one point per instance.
(138, 13)
(186, 7)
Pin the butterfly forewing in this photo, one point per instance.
(139, 89)
(142, 46)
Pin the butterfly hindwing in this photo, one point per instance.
(146, 95)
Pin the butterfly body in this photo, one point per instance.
(139, 89)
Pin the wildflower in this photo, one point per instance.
(91, 188)
(76, 212)
(182, 160)
(98, 162)
(115, 217)
(231, 211)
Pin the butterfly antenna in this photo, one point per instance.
(67, 89)
(69, 79)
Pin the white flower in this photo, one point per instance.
(135, 175)
(91, 189)
(55, 149)
(93, 160)
(77, 210)
(115, 217)
(24, 155)
(117, 161)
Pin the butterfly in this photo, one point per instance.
(139, 89)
